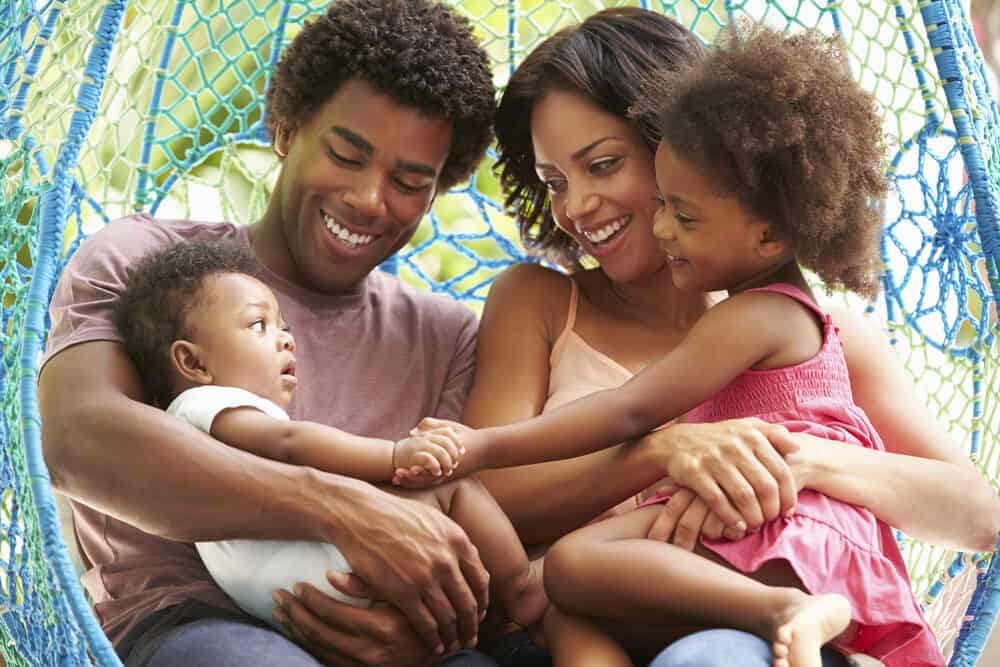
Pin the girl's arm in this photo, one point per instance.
(524, 315)
(925, 481)
(731, 337)
(305, 443)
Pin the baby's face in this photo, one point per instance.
(242, 338)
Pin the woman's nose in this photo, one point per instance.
(580, 202)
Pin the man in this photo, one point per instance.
(375, 108)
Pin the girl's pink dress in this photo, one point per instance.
(834, 547)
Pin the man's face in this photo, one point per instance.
(356, 181)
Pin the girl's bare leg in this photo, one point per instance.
(577, 642)
(612, 566)
(515, 582)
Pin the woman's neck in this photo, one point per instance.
(655, 301)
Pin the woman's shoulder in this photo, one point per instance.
(530, 293)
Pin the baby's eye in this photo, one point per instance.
(258, 326)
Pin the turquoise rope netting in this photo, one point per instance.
(112, 107)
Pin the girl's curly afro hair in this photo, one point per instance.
(778, 122)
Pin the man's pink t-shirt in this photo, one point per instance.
(372, 362)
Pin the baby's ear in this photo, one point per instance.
(186, 359)
(769, 244)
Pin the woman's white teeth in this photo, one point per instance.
(602, 234)
(346, 236)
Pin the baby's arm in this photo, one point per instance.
(323, 447)
(735, 335)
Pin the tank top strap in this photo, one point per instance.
(794, 292)
(574, 297)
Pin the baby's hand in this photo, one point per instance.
(424, 457)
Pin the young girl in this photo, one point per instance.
(212, 346)
(770, 158)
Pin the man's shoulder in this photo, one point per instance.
(422, 303)
(138, 234)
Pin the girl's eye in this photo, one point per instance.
(258, 327)
(660, 202)
(683, 219)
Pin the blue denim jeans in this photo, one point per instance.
(727, 648)
(198, 635)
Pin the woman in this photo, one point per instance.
(579, 178)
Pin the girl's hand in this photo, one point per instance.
(430, 454)
(469, 441)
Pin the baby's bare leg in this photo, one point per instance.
(612, 566)
(577, 642)
(515, 582)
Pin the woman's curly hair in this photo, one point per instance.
(608, 58)
(419, 52)
(778, 122)
(162, 289)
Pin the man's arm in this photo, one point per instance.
(107, 449)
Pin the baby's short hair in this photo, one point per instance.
(163, 288)
(777, 121)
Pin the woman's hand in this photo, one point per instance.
(685, 518)
(341, 635)
(735, 467)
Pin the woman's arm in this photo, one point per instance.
(925, 480)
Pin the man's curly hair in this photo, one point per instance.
(608, 58)
(778, 122)
(163, 288)
(419, 52)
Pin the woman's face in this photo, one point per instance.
(601, 182)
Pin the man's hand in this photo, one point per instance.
(418, 560)
(732, 466)
(341, 635)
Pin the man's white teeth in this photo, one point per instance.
(341, 233)
(602, 234)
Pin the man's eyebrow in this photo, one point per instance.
(365, 146)
(580, 153)
(354, 139)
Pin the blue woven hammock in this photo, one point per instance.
(112, 107)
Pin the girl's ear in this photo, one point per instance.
(769, 244)
(186, 358)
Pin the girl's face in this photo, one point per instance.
(600, 179)
(712, 241)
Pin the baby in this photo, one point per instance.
(210, 343)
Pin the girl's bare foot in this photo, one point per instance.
(807, 626)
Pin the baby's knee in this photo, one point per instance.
(565, 569)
